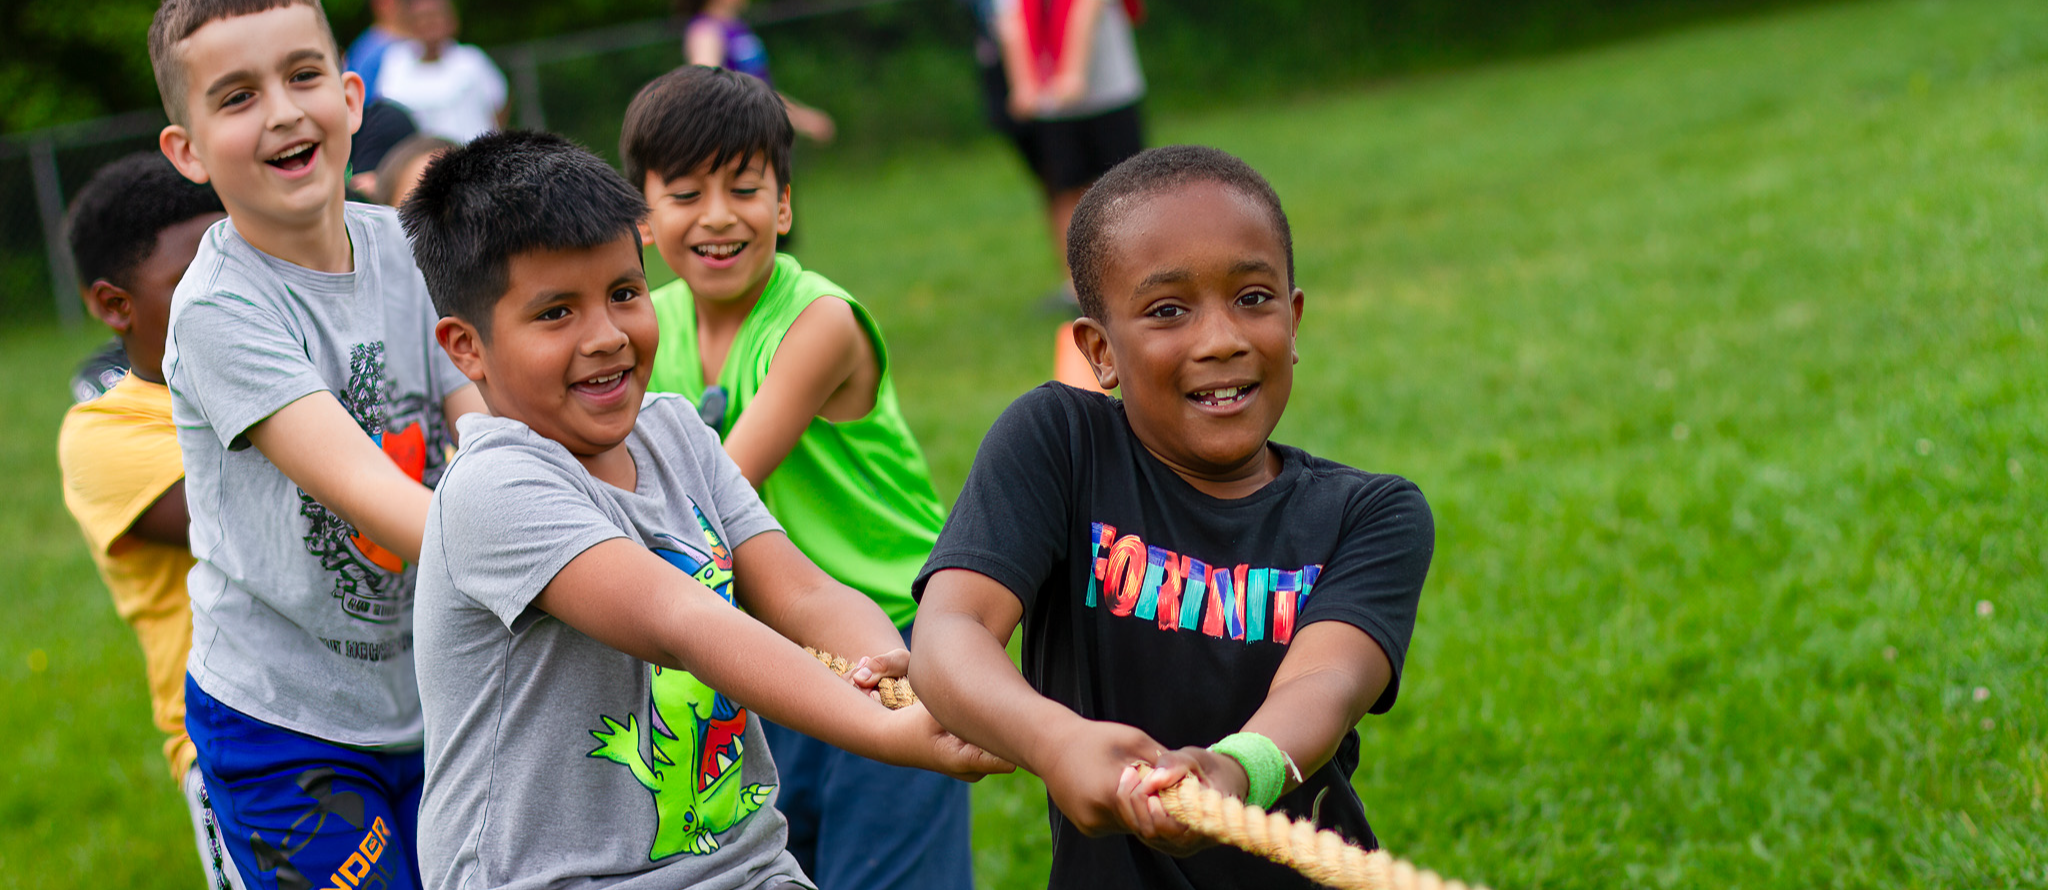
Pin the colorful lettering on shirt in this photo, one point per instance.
(1176, 592)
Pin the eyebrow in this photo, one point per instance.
(635, 276)
(229, 79)
(1177, 276)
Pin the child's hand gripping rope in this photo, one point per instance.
(1322, 855)
(895, 691)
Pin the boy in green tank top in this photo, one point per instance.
(792, 373)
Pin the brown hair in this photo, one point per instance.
(179, 19)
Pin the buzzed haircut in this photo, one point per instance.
(697, 114)
(502, 195)
(117, 216)
(178, 19)
(1145, 174)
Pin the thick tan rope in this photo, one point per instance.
(1323, 855)
(895, 692)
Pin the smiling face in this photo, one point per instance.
(1198, 331)
(570, 347)
(269, 114)
(717, 227)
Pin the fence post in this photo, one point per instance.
(526, 79)
(42, 155)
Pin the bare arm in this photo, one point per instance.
(782, 588)
(963, 675)
(1330, 678)
(703, 45)
(624, 596)
(1017, 68)
(319, 447)
(165, 522)
(824, 367)
(1070, 82)
(467, 400)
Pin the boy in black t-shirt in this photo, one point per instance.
(1182, 581)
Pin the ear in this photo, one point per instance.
(646, 234)
(464, 345)
(110, 304)
(352, 92)
(1294, 332)
(1093, 340)
(784, 217)
(176, 144)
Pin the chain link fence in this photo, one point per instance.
(830, 52)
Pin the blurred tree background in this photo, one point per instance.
(64, 61)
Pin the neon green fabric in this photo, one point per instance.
(855, 497)
(1265, 765)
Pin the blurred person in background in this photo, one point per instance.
(716, 37)
(385, 125)
(1071, 87)
(453, 90)
(403, 166)
(365, 56)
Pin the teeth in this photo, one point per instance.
(724, 764)
(1218, 395)
(719, 251)
(292, 153)
(600, 381)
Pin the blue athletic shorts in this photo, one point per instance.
(299, 813)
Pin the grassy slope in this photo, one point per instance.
(1718, 355)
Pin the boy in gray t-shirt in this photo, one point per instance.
(313, 409)
(589, 687)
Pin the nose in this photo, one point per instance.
(602, 334)
(282, 108)
(1220, 336)
(718, 213)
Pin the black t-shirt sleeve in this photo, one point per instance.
(1375, 578)
(1013, 516)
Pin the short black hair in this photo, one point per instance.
(116, 217)
(505, 194)
(696, 114)
(1143, 175)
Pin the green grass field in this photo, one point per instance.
(1719, 355)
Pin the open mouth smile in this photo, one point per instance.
(600, 386)
(294, 159)
(719, 251)
(1224, 397)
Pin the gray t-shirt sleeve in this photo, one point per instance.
(515, 519)
(239, 362)
(733, 498)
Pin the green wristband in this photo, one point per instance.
(1264, 764)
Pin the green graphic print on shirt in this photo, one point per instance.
(695, 733)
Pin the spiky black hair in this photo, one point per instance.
(115, 219)
(505, 194)
(695, 114)
(1148, 173)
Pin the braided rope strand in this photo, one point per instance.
(1322, 855)
(895, 692)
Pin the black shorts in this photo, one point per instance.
(1071, 154)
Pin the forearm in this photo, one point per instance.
(1079, 41)
(836, 618)
(760, 669)
(964, 676)
(1328, 683)
(388, 507)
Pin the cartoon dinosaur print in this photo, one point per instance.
(694, 733)
(694, 774)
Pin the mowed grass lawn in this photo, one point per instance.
(1720, 355)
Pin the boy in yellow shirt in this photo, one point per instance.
(133, 230)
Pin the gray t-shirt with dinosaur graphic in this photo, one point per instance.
(553, 759)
